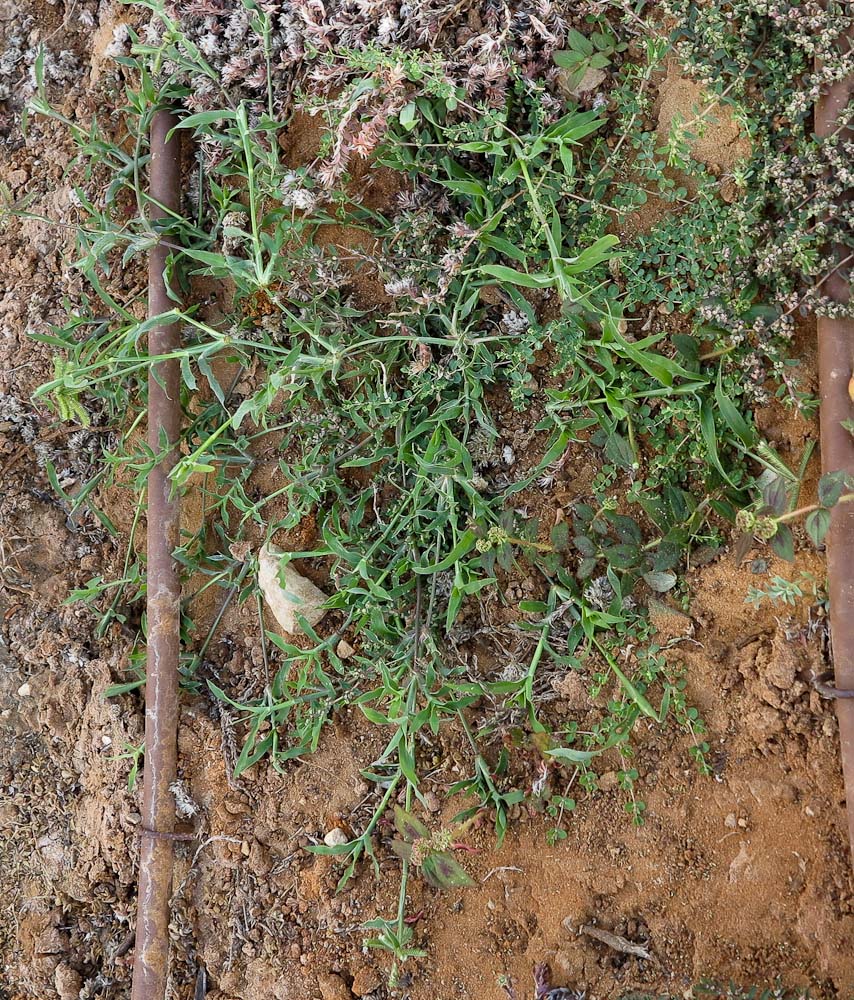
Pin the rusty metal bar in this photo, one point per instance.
(151, 954)
(835, 369)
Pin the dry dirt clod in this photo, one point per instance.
(68, 982)
(298, 595)
(366, 981)
(432, 802)
(333, 987)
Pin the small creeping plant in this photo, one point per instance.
(431, 852)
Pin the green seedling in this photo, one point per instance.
(584, 54)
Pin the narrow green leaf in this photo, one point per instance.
(710, 439)
(517, 277)
(734, 420)
(464, 545)
(206, 118)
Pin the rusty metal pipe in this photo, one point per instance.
(163, 600)
(835, 370)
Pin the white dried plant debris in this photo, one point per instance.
(387, 29)
(185, 807)
(287, 592)
(599, 593)
(15, 416)
(515, 323)
(120, 42)
(397, 287)
(234, 238)
(12, 58)
(483, 448)
(295, 194)
(511, 672)
(62, 69)
(85, 19)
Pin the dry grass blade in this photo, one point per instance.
(615, 941)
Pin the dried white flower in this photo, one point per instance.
(515, 323)
(119, 44)
(185, 807)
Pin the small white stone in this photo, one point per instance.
(24, 691)
(336, 837)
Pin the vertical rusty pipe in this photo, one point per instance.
(151, 955)
(835, 369)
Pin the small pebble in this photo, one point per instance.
(24, 691)
(344, 650)
(336, 837)
(432, 802)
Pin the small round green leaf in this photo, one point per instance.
(817, 524)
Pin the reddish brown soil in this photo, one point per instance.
(743, 876)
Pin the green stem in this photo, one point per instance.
(809, 509)
(245, 136)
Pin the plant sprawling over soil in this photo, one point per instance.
(502, 273)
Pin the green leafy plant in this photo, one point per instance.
(584, 53)
(428, 852)
(498, 288)
(769, 520)
(389, 936)
(135, 755)
(782, 591)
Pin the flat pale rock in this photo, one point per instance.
(589, 82)
(298, 596)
